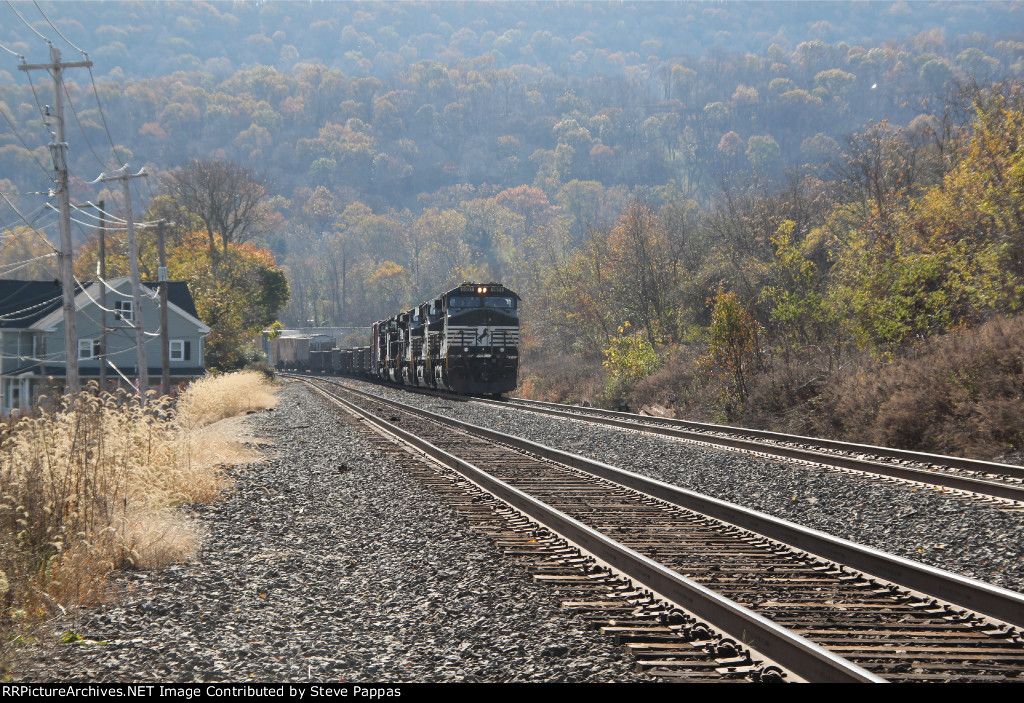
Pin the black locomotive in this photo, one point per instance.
(465, 340)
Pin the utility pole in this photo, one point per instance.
(165, 343)
(101, 273)
(133, 261)
(59, 154)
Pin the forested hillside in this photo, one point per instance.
(721, 206)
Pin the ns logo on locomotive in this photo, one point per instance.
(465, 340)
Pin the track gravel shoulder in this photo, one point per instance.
(327, 563)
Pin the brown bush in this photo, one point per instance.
(678, 385)
(783, 399)
(959, 394)
(561, 379)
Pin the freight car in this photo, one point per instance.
(303, 352)
(290, 353)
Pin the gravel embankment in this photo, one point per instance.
(327, 563)
(963, 536)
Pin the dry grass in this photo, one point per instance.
(217, 397)
(93, 486)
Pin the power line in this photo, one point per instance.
(103, 116)
(54, 27)
(81, 128)
(49, 43)
(43, 114)
(100, 218)
(12, 52)
(10, 316)
(30, 225)
(112, 289)
(30, 192)
(148, 187)
(39, 106)
(36, 214)
(105, 216)
(109, 216)
(132, 324)
(89, 224)
(25, 144)
(152, 195)
(22, 264)
(92, 226)
(58, 355)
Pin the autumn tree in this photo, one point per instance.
(229, 201)
(803, 319)
(237, 297)
(735, 339)
(639, 263)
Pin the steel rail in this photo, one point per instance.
(998, 603)
(795, 653)
(953, 462)
(938, 478)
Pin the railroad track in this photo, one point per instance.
(815, 605)
(980, 480)
(973, 479)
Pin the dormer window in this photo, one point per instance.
(123, 310)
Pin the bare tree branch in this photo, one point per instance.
(230, 200)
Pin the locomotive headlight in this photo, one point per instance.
(465, 349)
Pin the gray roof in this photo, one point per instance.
(23, 303)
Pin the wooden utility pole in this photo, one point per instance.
(165, 342)
(59, 154)
(101, 273)
(133, 261)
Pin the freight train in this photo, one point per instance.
(466, 340)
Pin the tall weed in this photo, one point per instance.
(92, 485)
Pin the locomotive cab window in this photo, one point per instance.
(509, 303)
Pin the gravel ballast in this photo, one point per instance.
(327, 563)
(960, 535)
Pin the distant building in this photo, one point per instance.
(32, 336)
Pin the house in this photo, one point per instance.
(32, 336)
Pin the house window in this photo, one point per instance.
(88, 348)
(14, 397)
(123, 310)
(181, 350)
